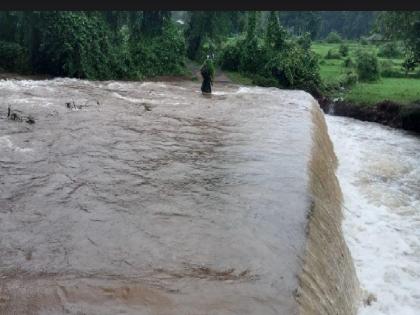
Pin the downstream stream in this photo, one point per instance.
(379, 174)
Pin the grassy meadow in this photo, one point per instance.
(394, 85)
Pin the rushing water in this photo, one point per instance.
(148, 198)
(379, 174)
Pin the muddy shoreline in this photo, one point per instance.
(388, 113)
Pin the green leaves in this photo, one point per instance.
(367, 67)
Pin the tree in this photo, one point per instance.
(153, 22)
(275, 34)
(251, 25)
(403, 26)
(301, 22)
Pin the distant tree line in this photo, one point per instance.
(349, 24)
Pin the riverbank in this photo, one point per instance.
(388, 113)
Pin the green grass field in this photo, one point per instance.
(400, 89)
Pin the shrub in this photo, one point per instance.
(290, 65)
(344, 50)
(387, 69)
(350, 79)
(409, 64)
(230, 56)
(253, 57)
(161, 54)
(296, 68)
(333, 37)
(305, 41)
(389, 50)
(13, 57)
(348, 63)
(75, 45)
(333, 54)
(364, 41)
(367, 67)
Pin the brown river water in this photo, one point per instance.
(148, 198)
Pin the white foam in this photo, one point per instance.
(379, 174)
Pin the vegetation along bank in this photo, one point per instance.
(365, 68)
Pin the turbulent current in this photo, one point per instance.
(379, 173)
(148, 198)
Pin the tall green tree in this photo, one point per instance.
(301, 22)
(402, 25)
(275, 34)
(209, 28)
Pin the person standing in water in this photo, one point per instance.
(207, 72)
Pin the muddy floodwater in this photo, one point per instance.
(148, 198)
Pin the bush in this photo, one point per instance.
(387, 69)
(344, 50)
(161, 54)
(230, 56)
(333, 54)
(364, 41)
(296, 68)
(389, 50)
(13, 57)
(333, 37)
(253, 57)
(409, 64)
(367, 67)
(289, 65)
(348, 63)
(75, 45)
(305, 41)
(350, 79)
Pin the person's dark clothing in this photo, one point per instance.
(207, 81)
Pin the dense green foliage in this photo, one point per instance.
(403, 26)
(367, 67)
(206, 30)
(300, 22)
(389, 50)
(333, 54)
(344, 50)
(13, 57)
(333, 37)
(93, 45)
(274, 59)
(267, 48)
